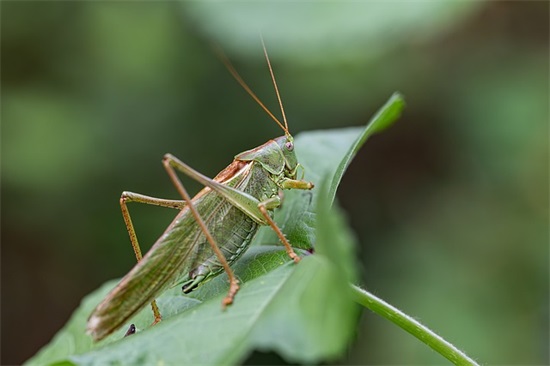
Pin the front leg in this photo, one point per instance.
(296, 184)
(270, 204)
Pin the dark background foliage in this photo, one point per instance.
(450, 205)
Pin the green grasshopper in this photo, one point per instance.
(211, 231)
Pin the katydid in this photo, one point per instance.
(211, 231)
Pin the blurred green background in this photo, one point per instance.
(450, 205)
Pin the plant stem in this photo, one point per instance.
(412, 326)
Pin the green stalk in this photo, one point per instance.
(412, 326)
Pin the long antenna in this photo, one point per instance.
(237, 77)
(275, 85)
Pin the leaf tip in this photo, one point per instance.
(389, 112)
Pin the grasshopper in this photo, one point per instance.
(212, 229)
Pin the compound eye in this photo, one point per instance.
(289, 146)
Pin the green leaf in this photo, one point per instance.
(324, 154)
(334, 240)
(305, 312)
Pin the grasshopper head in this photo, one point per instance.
(279, 159)
(276, 156)
(286, 145)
